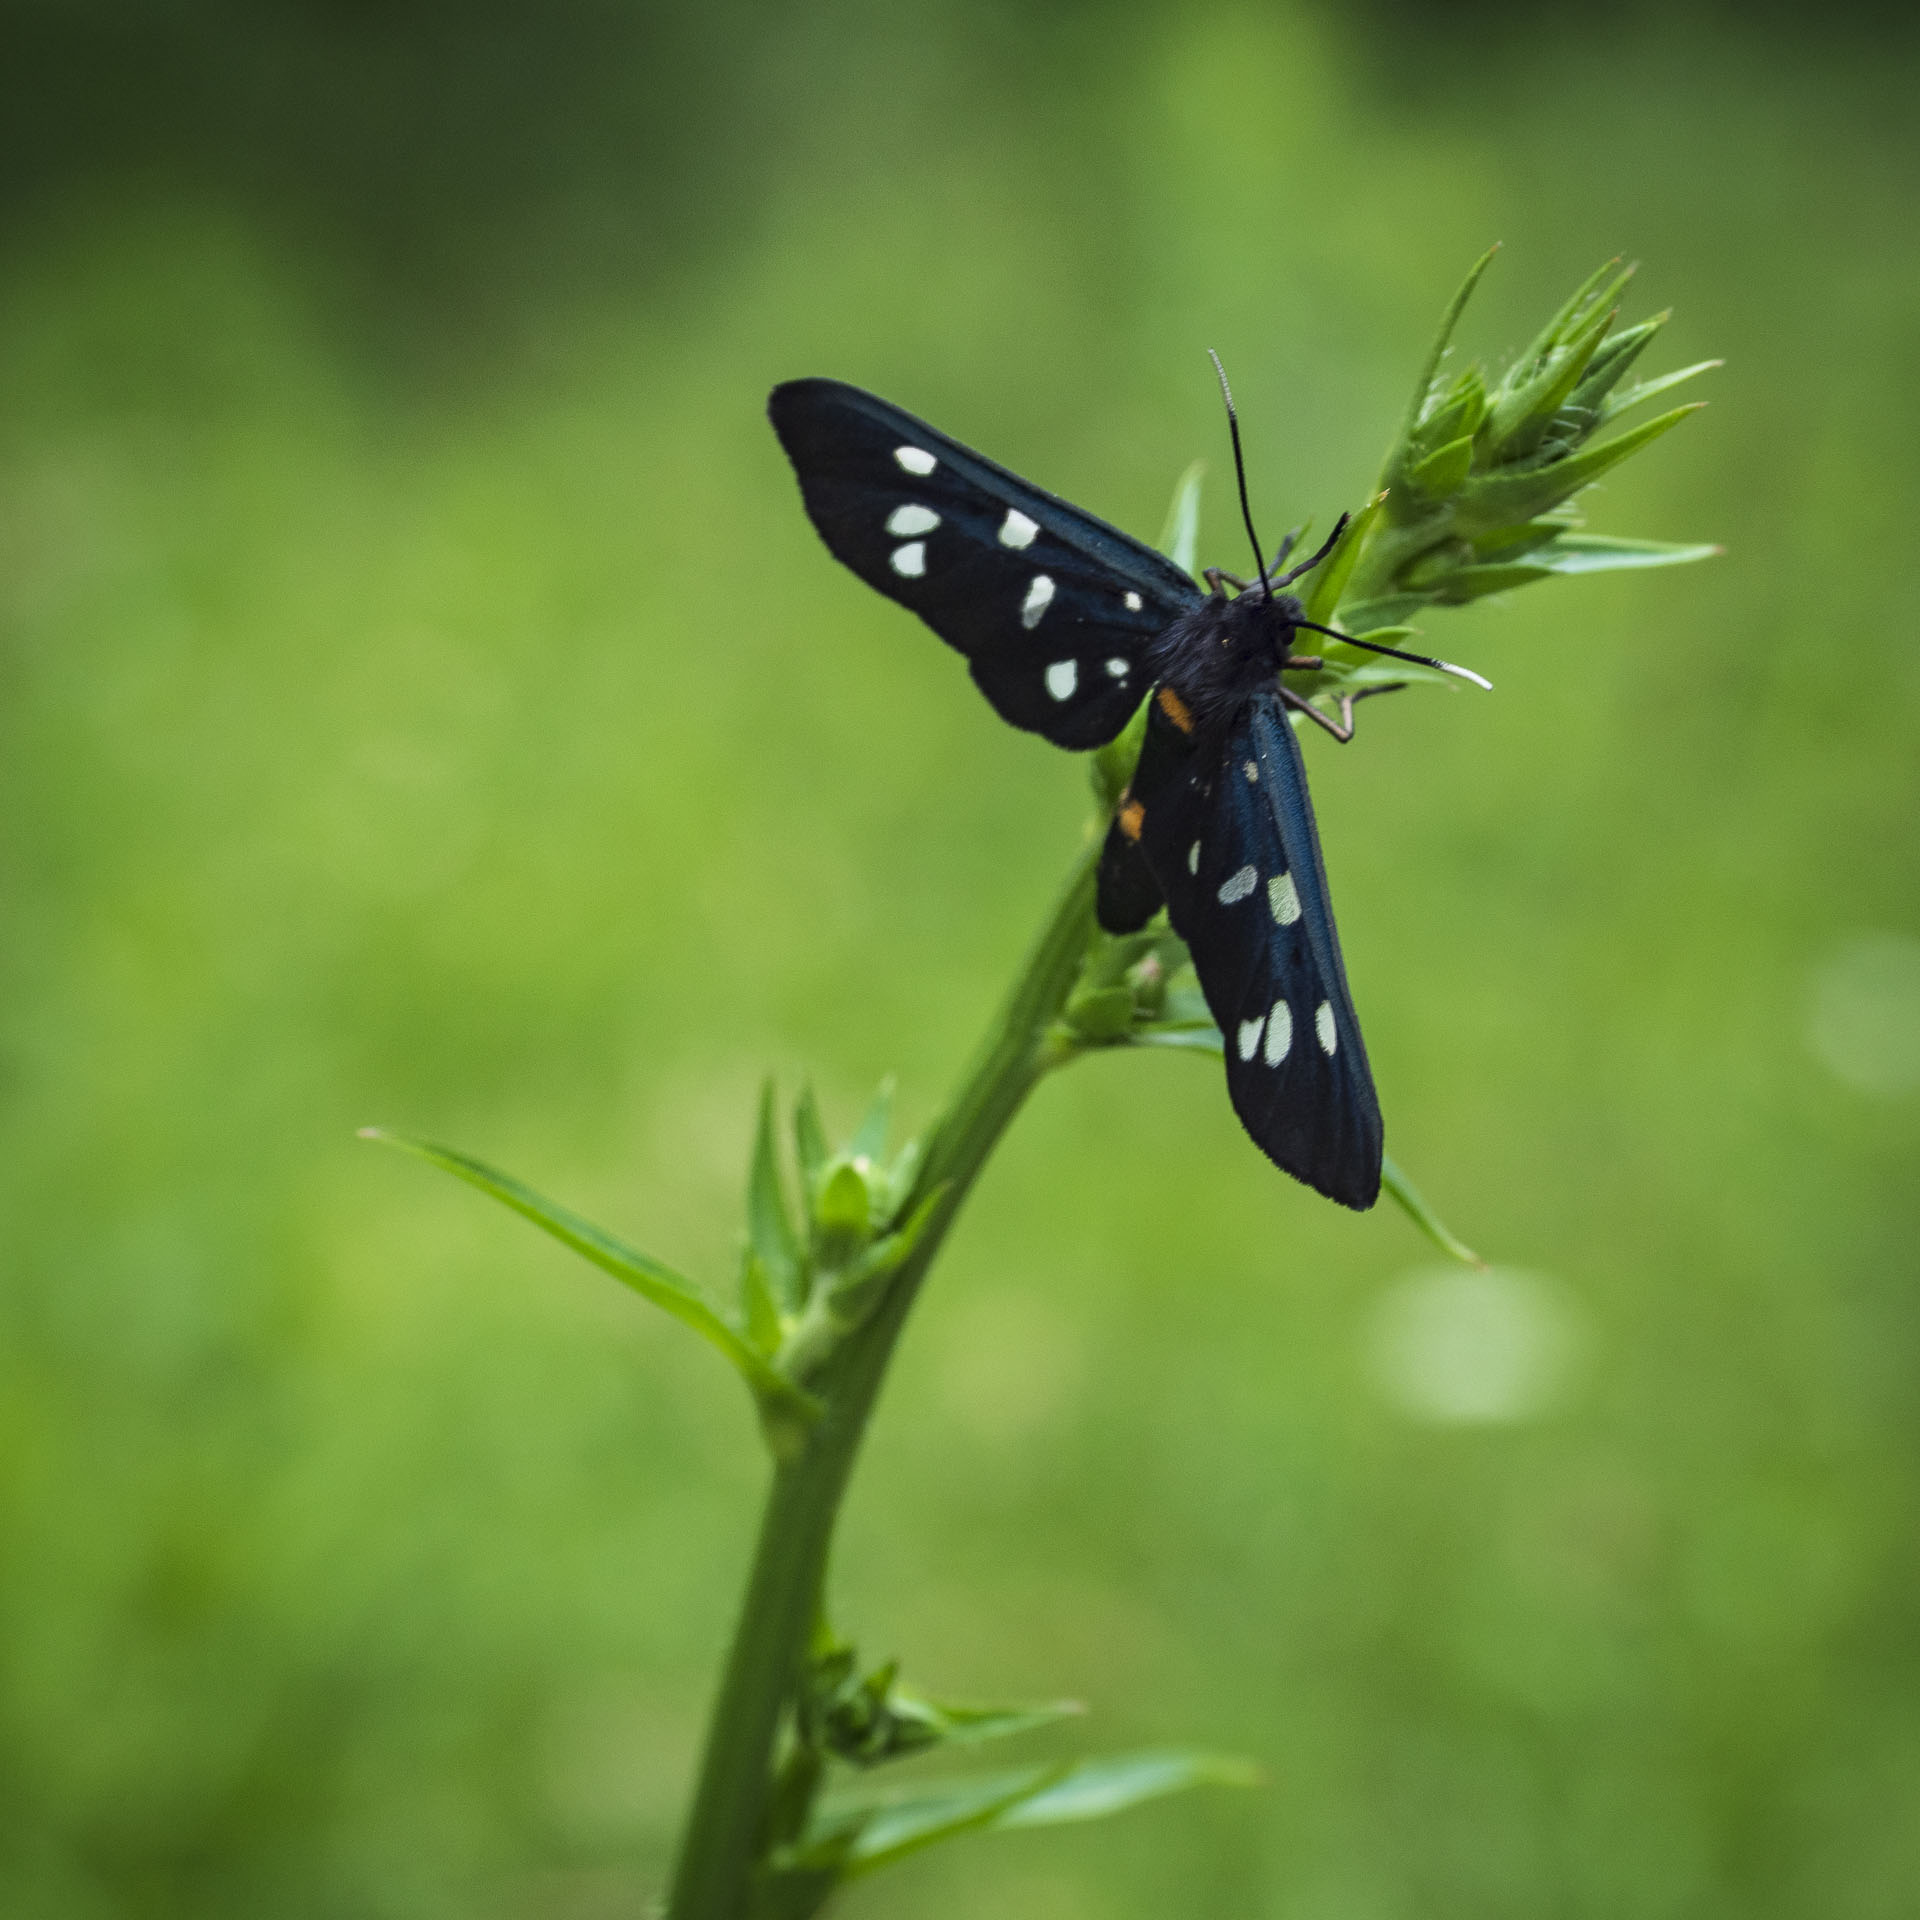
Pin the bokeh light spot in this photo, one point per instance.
(1474, 1349)
(1864, 1026)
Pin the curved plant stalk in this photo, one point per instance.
(724, 1836)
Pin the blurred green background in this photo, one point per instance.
(424, 703)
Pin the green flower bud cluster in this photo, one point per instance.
(808, 1281)
(863, 1720)
(1134, 989)
(1477, 496)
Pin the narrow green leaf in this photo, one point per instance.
(851, 1290)
(1391, 610)
(865, 1834)
(1096, 1788)
(1437, 565)
(1351, 667)
(670, 1291)
(758, 1306)
(1588, 294)
(886, 1257)
(1034, 1797)
(1614, 357)
(1464, 584)
(1442, 471)
(900, 1177)
(1456, 417)
(1329, 580)
(1423, 387)
(1520, 421)
(1504, 545)
(810, 1148)
(1344, 658)
(1180, 537)
(972, 1726)
(1500, 499)
(870, 1137)
(1597, 553)
(1380, 673)
(1423, 1216)
(769, 1226)
(1181, 1038)
(1647, 389)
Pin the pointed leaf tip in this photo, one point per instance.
(770, 1228)
(783, 1406)
(870, 1137)
(889, 1829)
(1180, 537)
(809, 1141)
(1423, 1216)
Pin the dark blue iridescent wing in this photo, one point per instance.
(1229, 841)
(1052, 607)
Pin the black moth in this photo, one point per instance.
(1067, 624)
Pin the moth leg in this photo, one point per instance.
(1343, 732)
(1286, 546)
(1302, 663)
(1214, 576)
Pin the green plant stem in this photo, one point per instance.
(725, 1832)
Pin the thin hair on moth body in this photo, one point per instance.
(1216, 658)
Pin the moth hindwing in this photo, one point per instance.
(1229, 841)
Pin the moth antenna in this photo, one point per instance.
(1418, 659)
(1326, 547)
(1240, 468)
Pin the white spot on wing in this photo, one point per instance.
(1284, 898)
(1237, 886)
(1039, 598)
(1132, 603)
(1062, 677)
(1250, 1035)
(1323, 1027)
(1251, 771)
(1016, 530)
(1193, 858)
(1279, 1033)
(916, 460)
(1118, 668)
(912, 519)
(910, 560)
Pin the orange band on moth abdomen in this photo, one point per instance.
(1132, 817)
(1175, 709)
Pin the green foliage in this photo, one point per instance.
(1473, 457)
(1477, 494)
(785, 1410)
(811, 1282)
(458, 733)
(858, 1835)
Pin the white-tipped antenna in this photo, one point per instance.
(1239, 465)
(1418, 659)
